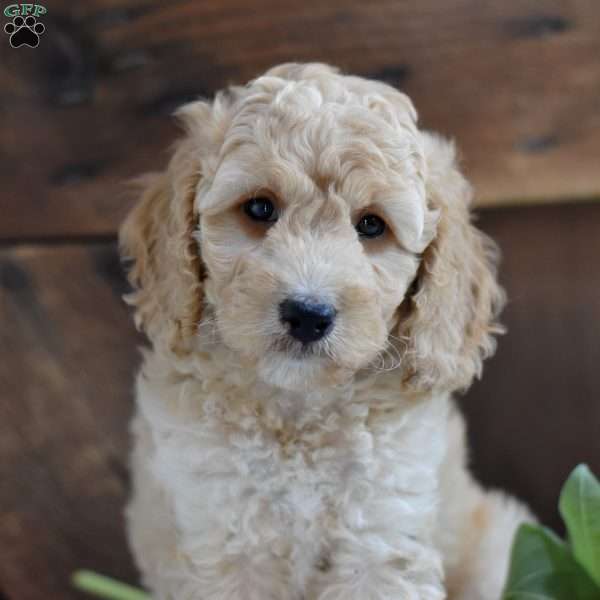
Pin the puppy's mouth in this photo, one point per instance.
(294, 350)
(299, 369)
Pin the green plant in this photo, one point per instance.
(105, 587)
(544, 567)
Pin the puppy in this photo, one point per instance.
(314, 292)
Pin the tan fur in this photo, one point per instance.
(453, 312)
(166, 270)
(265, 471)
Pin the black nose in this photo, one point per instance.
(307, 321)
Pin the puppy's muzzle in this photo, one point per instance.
(307, 320)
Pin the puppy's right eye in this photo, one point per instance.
(261, 209)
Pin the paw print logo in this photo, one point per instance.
(24, 32)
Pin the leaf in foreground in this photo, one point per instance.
(580, 508)
(542, 568)
(105, 587)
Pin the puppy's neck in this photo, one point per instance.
(216, 377)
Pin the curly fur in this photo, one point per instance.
(261, 470)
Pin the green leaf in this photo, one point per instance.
(580, 508)
(105, 587)
(542, 568)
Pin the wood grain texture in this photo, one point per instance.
(69, 354)
(536, 412)
(66, 373)
(517, 83)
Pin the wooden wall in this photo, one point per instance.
(517, 83)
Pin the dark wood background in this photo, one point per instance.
(517, 83)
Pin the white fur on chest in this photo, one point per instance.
(288, 477)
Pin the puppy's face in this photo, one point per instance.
(311, 231)
(311, 205)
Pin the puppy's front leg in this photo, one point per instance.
(370, 566)
(210, 572)
(255, 574)
(192, 542)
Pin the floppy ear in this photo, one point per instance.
(449, 321)
(157, 236)
(166, 271)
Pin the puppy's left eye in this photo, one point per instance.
(370, 226)
(261, 209)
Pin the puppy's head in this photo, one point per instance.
(308, 221)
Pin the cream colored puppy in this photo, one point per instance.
(314, 292)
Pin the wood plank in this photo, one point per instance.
(66, 377)
(70, 353)
(517, 83)
(535, 414)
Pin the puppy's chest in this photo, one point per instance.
(264, 474)
(243, 482)
(296, 471)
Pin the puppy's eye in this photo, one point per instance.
(261, 209)
(370, 226)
